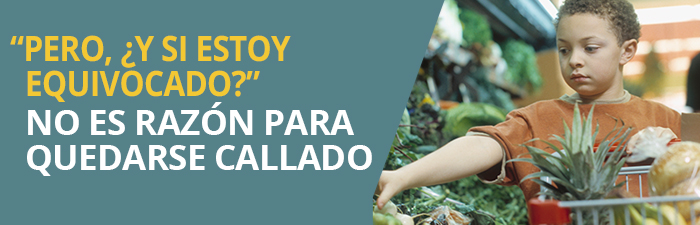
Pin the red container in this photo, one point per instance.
(547, 212)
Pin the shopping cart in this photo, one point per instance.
(542, 211)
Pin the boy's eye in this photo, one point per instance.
(591, 49)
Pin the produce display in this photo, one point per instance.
(466, 115)
(423, 129)
(454, 91)
(480, 70)
(522, 65)
(476, 29)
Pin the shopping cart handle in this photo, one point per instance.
(547, 212)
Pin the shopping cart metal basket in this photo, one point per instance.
(542, 211)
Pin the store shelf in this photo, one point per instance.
(521, 19)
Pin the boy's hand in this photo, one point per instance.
(460, 158)
(390, 184)
(655, 132)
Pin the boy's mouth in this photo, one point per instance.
(578, 77)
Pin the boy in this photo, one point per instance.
(595, 39)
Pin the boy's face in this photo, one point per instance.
(589, 56)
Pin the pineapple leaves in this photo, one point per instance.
(576, 171)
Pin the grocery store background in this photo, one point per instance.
(670, 38)
(671, 32)
(488, 57)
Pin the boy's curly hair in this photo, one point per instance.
(619, 13)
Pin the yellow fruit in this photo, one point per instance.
(672, 215)
(686, 188)
(635, 217)
(651, 221)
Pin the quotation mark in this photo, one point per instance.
(250, 73)
(21, 38)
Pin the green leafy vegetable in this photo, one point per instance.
(475, 28)
(459, 119)
(522, 65)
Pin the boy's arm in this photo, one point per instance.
(460, 158)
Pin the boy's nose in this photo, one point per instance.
(575, 61)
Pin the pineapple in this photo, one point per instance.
(578, 173)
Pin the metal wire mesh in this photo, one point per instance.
(594, 206)
(603, 211)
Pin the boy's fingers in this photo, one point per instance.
(387, 192)
(384, 198)
(389, 185)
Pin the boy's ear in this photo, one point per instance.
(629, 48)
